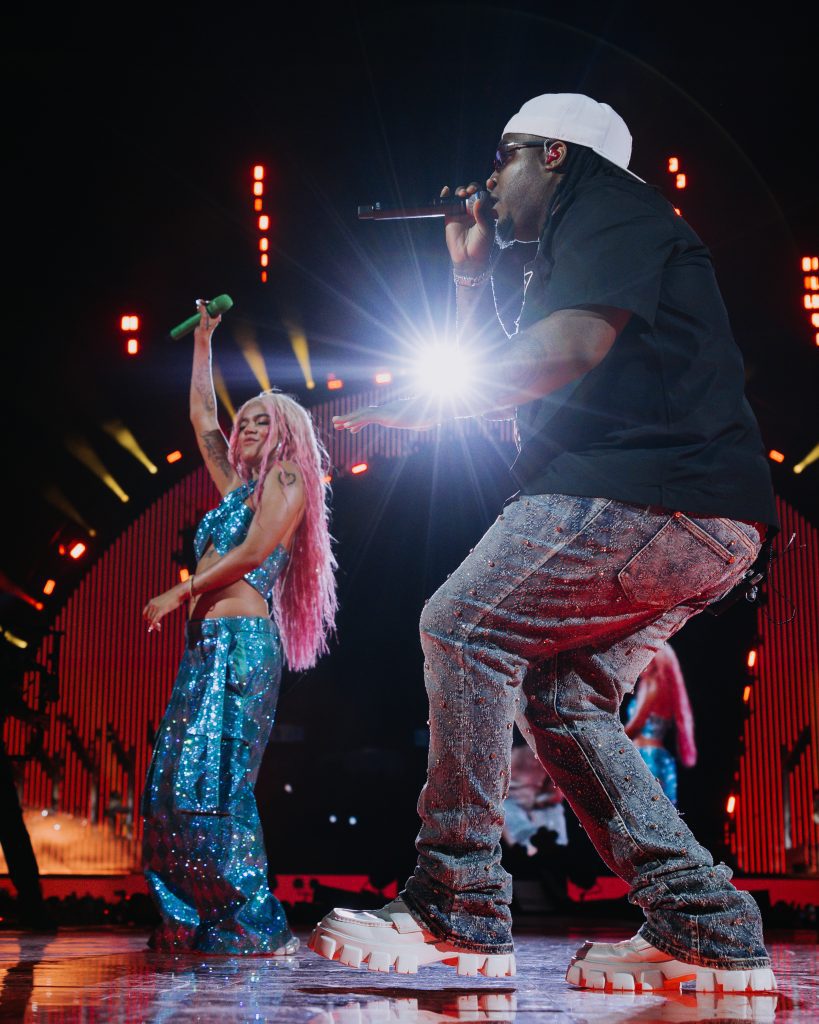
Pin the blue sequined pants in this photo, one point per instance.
(549, 621)
(204, 854)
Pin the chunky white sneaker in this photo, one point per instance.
(391, 937)
(636, 966)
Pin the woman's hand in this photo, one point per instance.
(207, 323)
(407, 414)
(158, 607)
(469, 237)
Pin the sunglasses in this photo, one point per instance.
(503, 154)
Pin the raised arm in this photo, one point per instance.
(212, 442)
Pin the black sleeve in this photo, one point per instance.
(610, 250)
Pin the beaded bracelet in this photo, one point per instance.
(468, 281)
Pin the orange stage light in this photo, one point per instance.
(681, 181)
(776, 456)
(751, 659)
(129, 322)
(383, 378)
(258, 172)
(77, 550)
(264, 277)
(264, 244)
(812, 283)
(814, 319)
(264, 222)
(257, 205)
(264, 259)
(731, 804)
(811, 301)
(335, 384)
(133, 346)
(173, 456)
(673, 164)
(49, 586)
(810, 263)
(359, 467)
(678, 211)
(746, 694)
(258, 188)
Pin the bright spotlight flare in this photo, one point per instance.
(445, 206)
(221, 304)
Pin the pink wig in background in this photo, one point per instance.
(665, 671)
(304, 597)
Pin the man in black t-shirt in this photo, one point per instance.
(644, 496)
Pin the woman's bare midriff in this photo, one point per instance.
(238, 598)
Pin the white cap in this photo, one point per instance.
(573, 117)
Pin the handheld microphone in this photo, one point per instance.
(221, 304)
(445, 206)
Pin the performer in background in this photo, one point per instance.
(265, 547)
(661, 704)
(644, 496)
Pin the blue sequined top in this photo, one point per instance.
(226, 527)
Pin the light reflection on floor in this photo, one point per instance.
(104, 976)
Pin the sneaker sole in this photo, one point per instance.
(614, 976)
(353, 952)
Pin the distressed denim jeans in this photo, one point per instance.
(548, 622)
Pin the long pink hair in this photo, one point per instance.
(304, 597)
(673, 702)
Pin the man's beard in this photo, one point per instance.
(505, 232)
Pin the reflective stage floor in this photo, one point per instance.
(103, 976)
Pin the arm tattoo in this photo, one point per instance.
(216, 450)
(286, 479)
(204, 387)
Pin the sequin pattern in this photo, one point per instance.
(204, 853)
(226, 527)
(548, 622)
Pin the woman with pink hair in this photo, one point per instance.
(660, 704)
(263, 592)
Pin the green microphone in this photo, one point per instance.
(221, 304)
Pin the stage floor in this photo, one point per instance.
(100, 976)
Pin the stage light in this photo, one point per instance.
(257, 205)
(84, 453)
(680, 181)
(678, 211)
(264, 259)
(15, 640)
(332, 819)
(750, 661)
(258, 172)
(258, 188)
(776, 456)
(77, 550)
(811, 457)
(746, 694)
(335, 384)
(811, 301)
(264, 277)
(358, 468)
(288, 788)
(385, 377)
(55, 496)
(264, 222)
(221, 390)
(245, 337)
(731, 804)
(132, 347)
(123, 436)
(810, 263)
(814, 319)
(673, 164)
(443, 369)
(264, 244)
(184, 575)
(812, 283)
(301, 350)
(352, 820)
(49, 586)
(129, 323)
(173, 456)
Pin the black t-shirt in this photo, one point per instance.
(662, 419)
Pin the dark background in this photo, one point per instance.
(131, 143)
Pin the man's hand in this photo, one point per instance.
(407, 414)
(469, 237)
